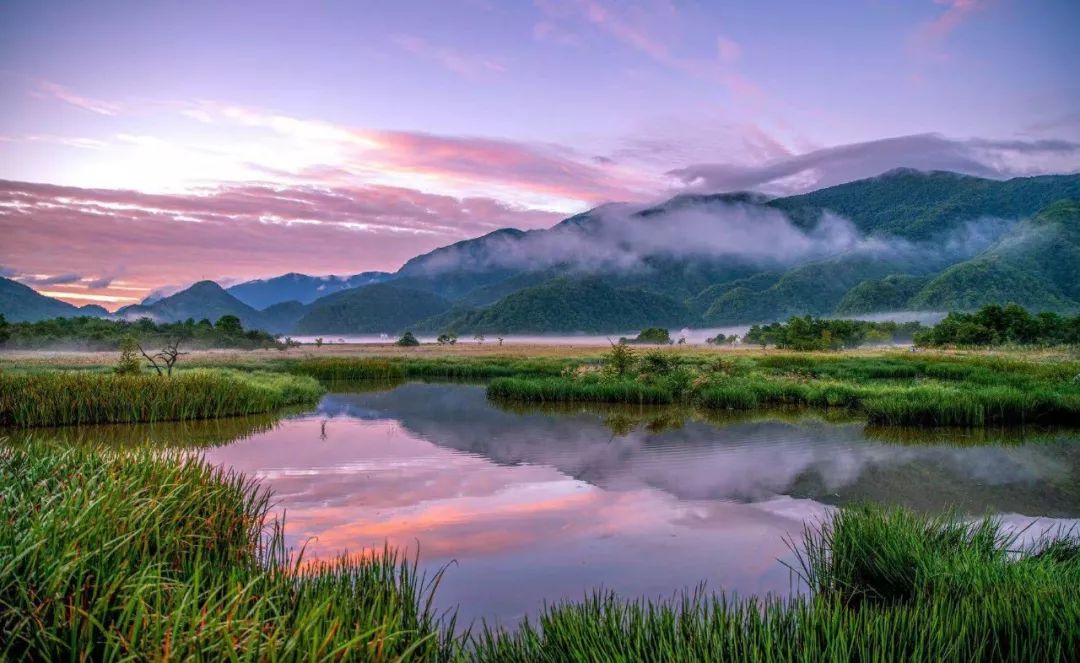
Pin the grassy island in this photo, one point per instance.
(61, 398)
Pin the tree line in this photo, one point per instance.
(992, 325)
(88, 333)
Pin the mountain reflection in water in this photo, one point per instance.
(544, 504)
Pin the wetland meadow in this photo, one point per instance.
(581, 502)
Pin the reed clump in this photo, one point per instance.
(60, 398)
(144, 555)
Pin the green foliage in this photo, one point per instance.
(808, 333)
(651, 336)
(371, 309)
(229, 324)
(1037, 264)
(901, 389)
(130, 362)
(658, 362)
(892, 293)
(143, 555)
(100, 334)
(620, 359)
(997, 325)
(64, 398)
(407, 340)
(918, 206)
(573, 304)
(5, 329)
(447, 338)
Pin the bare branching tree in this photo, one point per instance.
(167, 357)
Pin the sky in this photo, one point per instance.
(149, 144)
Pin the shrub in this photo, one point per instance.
(652, 336)
(407, 340)
(620, 359)
(129, 363)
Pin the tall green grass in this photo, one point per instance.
(919, 404)
(868, 554)
(144, 555)
(349, 368)
(892, 390)
(73, 397)
(888, 585)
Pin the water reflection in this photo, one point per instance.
(741, 456)
(173, 434)
(540, 504)
(543, 504)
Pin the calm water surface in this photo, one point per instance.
(538, 505)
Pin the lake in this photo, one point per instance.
(528, 505)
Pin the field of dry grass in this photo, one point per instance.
(465, 350)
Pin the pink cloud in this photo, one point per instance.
(243, 230)
(548, 169)
(513, 169)
(48, 88)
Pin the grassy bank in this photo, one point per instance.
(149, 556)
(60, 398)
(896, 389)
(888, 586)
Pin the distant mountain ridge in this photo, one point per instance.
(904, 240)
(21, 303)
(302, 288)
(208, 300)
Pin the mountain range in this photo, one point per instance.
(905, 240)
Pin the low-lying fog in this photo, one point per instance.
(692, 336)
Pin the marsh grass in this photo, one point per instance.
(59, 398)
(891, 390)
(887, 585)
(144, 555)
